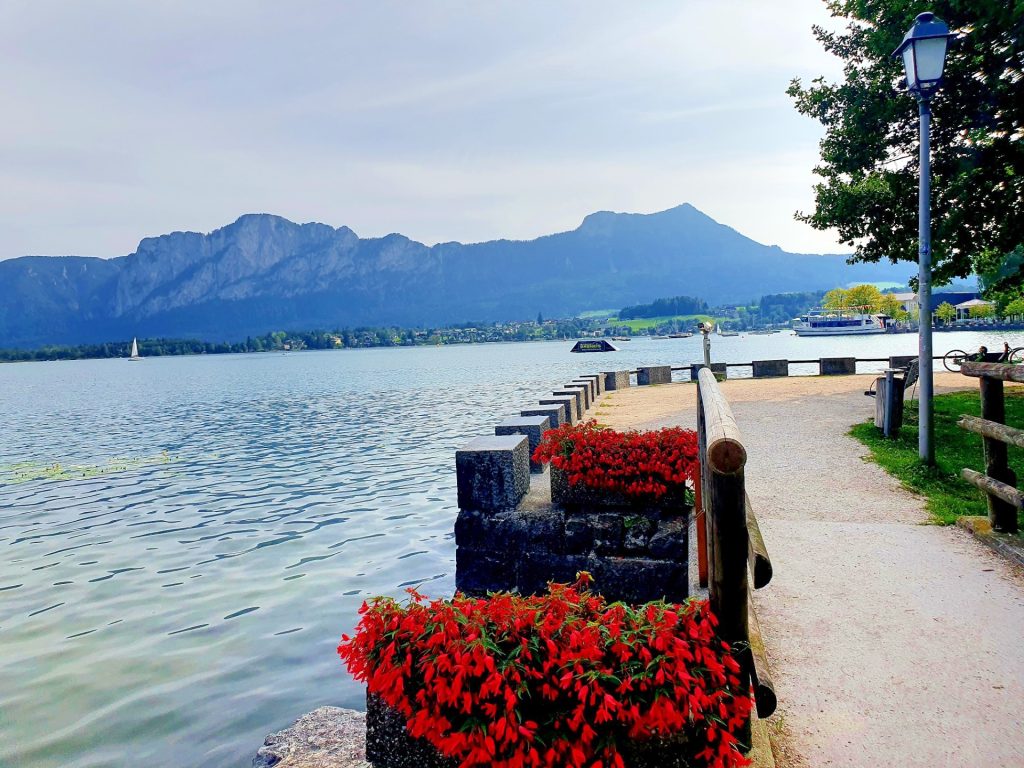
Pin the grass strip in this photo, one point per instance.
(948, 497)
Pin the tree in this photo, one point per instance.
(866, 298)
(946, 312)
(982, 311)
(889, 305)
(1014, 308)
(837, 298)
(869, 165)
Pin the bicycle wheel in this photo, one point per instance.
(1016, 356)
(952, 360)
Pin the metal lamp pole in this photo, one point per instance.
(926, 425)
(923, 51)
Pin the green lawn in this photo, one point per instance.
(948, 496)
(644, 323)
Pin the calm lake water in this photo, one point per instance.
(185, 597)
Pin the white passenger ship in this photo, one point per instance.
(820, 322)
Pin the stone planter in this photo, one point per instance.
(388, 745)
(636, 553)
(581, 498)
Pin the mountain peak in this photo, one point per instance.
(263, 272)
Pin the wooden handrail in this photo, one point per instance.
(993, 429)
(758, 562)
(998, 371)
(724, 447)
(757, 666)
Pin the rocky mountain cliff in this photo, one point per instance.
(264, 273)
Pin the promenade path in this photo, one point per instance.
(892, 642)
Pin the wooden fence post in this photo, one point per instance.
(1001, 514)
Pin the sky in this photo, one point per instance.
(438, 119)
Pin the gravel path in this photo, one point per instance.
(892, 642)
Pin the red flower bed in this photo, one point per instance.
(642, 465)
(562, 679)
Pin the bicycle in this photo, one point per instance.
(953, 359)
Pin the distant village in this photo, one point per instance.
(771, 312)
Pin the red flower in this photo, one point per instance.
(552, 680)
(644, 465)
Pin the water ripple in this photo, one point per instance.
(297, 486)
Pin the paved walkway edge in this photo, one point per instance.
(1004, 544)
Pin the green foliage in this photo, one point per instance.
(982, 311)
(948, 497)
(677, 305)
(837, 298)
(1014, 308)
(869, 155)
(946, 312)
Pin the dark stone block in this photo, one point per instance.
(671, 540)
(572, 415)
(638, 580)
(541, 530)
(838, 366)
(556, 413)
(479, 571)
(583, 387)
(493, 473)
(598, 379)
(533, 427)
(579, 538)
(591, 387)
(607, 530)
(765, 369)
(389, 745)
(638, 530)
(577, 394)
(720, 370)
(654, 374)
(536, 569)
(616, 380)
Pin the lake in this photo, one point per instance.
(183, 540)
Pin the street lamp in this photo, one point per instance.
(923, 51)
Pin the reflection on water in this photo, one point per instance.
(176, 610)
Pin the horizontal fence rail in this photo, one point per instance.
(999, 481)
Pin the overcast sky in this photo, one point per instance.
(441, 120)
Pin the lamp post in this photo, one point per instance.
(924, 55)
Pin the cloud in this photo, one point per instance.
(444, 120)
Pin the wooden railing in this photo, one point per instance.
(730, 550)
(999, 481)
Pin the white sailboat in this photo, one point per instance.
(135, 350)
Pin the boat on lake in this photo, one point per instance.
(819, 322)
(135, 350)
(622, 338)
(726, 333)
(680, 335)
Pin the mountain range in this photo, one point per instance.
(264, 273)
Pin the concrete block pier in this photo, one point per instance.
(533, 427)
(493, 473)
